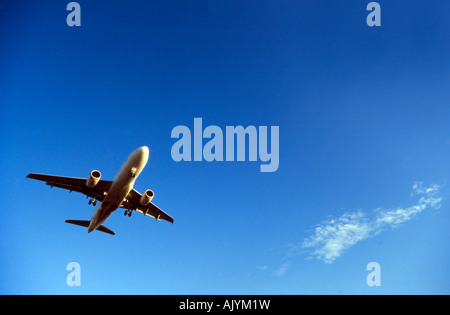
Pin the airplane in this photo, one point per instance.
(118, 193)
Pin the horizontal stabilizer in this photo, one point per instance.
(104, 229)
(86, 223)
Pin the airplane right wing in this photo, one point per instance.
(97, 192)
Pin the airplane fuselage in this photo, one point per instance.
(121, 186)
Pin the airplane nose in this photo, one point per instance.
(145, 149)
(145, 152)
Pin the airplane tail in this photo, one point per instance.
(86, 223)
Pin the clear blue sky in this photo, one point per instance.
(364, 142)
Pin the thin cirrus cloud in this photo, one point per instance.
(333, 237)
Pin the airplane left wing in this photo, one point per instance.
(133, 202)
(97, 192)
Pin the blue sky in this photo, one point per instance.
(363, 114)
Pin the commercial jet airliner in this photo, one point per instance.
(118, 193)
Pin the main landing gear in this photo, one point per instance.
(128, 212)
(93, 202)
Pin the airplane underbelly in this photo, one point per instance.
(115, 196)
(111, 202)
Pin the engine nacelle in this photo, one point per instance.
(94, 178)
(147, 196)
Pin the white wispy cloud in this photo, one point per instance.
(282, 269)
(333, 237)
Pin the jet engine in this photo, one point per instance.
(147, 196)
(93, 179)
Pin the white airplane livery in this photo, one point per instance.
(118, 193)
